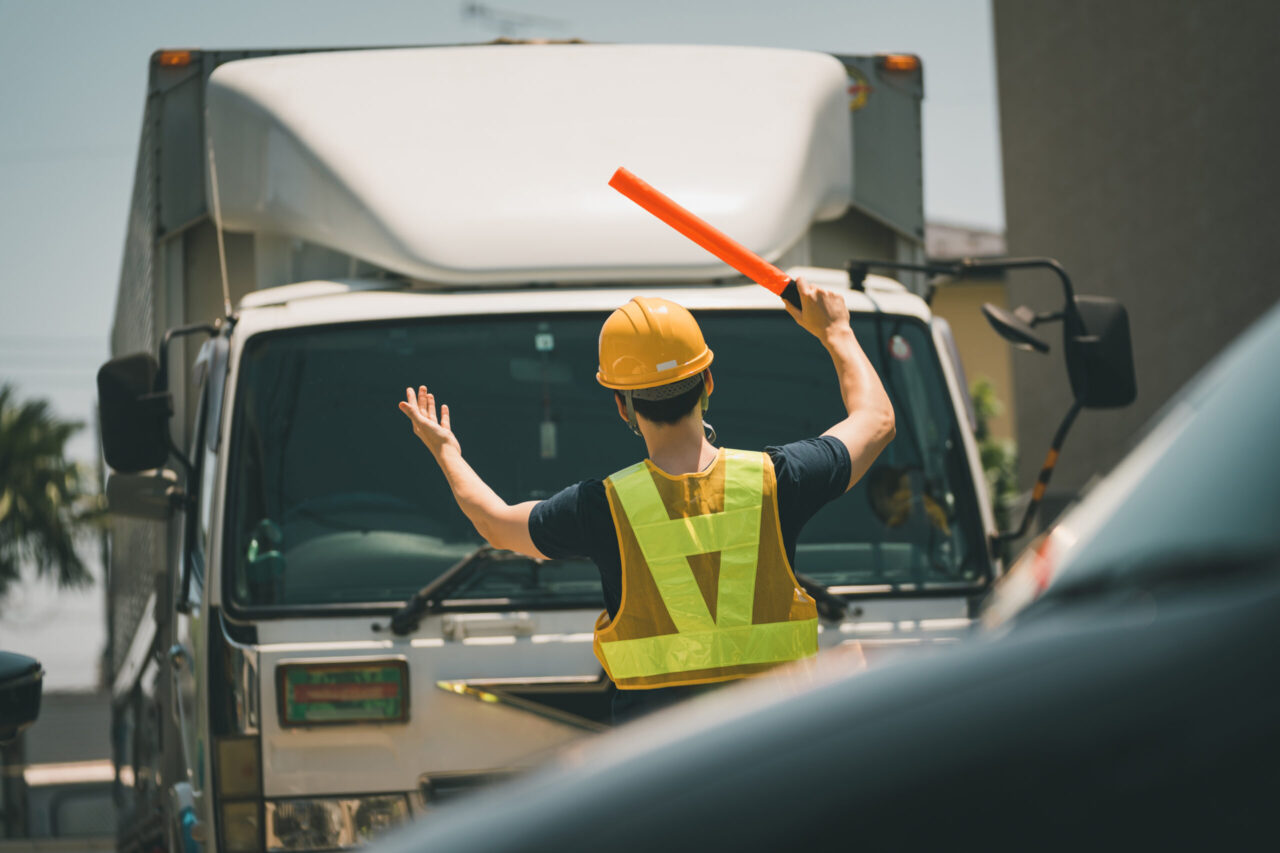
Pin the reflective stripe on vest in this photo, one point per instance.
(702, 642)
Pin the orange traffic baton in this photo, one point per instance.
(707, 236)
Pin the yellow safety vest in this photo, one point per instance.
(707, 592)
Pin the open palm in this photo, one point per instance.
(421, 411)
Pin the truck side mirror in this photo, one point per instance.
(1015, 326)
(135, 413)
(1096, 345)
(21, 681)
(1099, 353)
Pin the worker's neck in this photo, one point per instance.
(679, 448)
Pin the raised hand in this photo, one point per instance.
(822, 313)
(421, 411)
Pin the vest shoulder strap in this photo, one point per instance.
(747, 462)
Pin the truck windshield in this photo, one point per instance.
(334, 501)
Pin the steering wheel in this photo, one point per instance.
(331, 510)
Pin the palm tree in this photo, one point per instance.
(44, 502)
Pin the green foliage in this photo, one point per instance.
(999, 457)
(45, 500)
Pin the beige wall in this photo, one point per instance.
(983, 353)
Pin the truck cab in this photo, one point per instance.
(310, 642)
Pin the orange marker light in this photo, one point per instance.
(173, 58)
(706, 235)
(900, 62)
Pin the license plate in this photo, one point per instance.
(329, 693)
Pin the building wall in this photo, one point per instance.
(984, 354)
(1140, 143)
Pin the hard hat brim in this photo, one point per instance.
(662, 377)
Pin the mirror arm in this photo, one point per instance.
(995, 264)
(162, 382)
(858, 269)
(162, 377)
(958, 269)
(183, 604)
(1042, 481)
(188, 470)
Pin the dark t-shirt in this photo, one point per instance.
(576, 521)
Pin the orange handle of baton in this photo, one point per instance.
(707, 236)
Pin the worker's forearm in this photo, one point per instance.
(860, 387)
(869, 426)
(477, 501)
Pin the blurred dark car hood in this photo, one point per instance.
(1144, 718)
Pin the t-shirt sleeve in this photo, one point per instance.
(567, 523)
(811, 473)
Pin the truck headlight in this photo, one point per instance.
(307, 825)
(374, 815)
(240, 829)
(330, 823)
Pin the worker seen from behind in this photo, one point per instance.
(695, 544)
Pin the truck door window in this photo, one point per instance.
(210, 382)
(195, 523)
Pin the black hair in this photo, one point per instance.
(667, 411)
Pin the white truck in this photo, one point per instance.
(311, 232)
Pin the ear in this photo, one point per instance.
(708, 381)
(622, 407)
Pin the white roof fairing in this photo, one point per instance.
(489, 164)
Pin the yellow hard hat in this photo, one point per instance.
(649, 342)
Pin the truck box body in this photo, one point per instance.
(441, 216)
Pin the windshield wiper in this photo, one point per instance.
(406, 619)
(831, 607)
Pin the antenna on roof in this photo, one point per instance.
(507, 21)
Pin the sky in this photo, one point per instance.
(72, 83)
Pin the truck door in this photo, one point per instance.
(188, 655)
(184, 663)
